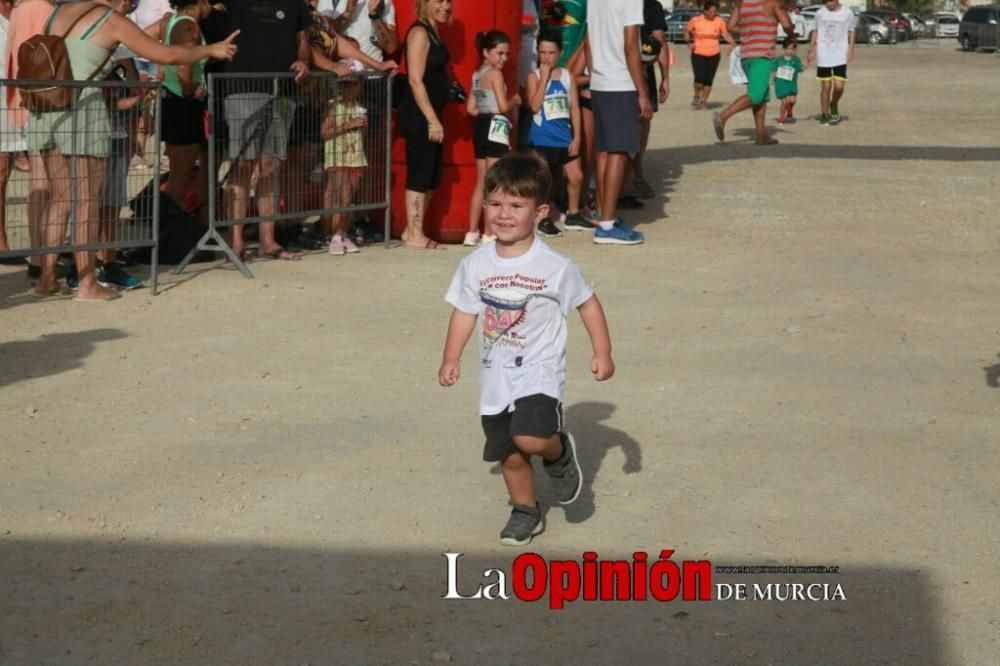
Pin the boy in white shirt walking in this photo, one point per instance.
(519, 291)
(832, 43)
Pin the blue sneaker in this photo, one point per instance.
(618, 235)
(114, 275)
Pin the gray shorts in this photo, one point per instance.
(616, 121)
(537, 415)
(114, 194)
(259, 124)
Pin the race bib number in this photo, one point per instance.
(786, 73)
(499, 130)
(556, 107)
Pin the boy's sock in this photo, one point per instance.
(607, 225)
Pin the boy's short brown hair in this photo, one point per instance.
(522, 175)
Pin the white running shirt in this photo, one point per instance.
(606, 21)
(832, 31)
(521, 304)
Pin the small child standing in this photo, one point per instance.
(517, 291)
(488, 105)
(787, 68)
(344, 157)
(555, 127)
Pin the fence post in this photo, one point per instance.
(388, 160)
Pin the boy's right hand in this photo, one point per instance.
(449, 373)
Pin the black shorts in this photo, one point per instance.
(556, 157)
(649, 74)
(585, 103)
(838, 73)
(704, 68)
(183, 120)
(535, 415)
(423, 156)
(482, 147)
(616, 121)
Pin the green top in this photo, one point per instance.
(171, 81)
(572, 25)
(786, 75)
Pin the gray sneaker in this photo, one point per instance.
(567, 479)
(524, 523)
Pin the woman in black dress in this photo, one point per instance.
(420, 115)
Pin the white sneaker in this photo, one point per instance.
(471, 239)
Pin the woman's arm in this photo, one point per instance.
(418, 45)
(726, 36)
(321, 61)
(120, 29)
(346, 49)
(494, 79)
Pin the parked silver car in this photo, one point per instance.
(874, 30)
(946, 25)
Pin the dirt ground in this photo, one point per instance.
(265, 471)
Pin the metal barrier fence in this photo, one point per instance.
(79, 194)
(281, 151)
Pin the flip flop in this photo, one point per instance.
(55, 291)
(720, 131)
(429, 245)
(112, 296)
(284, 255)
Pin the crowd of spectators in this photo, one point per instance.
(587, 92)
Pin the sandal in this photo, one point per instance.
(284, 255)
(429, 245)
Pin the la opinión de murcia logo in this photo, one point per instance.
(638, 579)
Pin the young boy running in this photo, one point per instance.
(832, 43)
(519, 291)
(787, 68)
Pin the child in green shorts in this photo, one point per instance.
(787, 68)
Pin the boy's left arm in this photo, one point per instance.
(596, 324)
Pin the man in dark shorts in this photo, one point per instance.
(260, 123)
(621, 103)
(757, 22)
(654, 51)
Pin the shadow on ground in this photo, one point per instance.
(50, 354)
(594, 441)
(78, 601)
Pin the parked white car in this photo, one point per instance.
(946, 25)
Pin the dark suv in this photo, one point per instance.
(980, 28)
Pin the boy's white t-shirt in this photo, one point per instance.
(606, 22)
(521, 305)
(832, 32)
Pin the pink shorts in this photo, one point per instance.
(354, 173)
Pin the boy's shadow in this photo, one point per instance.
(593, 442)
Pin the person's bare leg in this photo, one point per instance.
(697, 93)
(268, 204)
(476, 200)
(759, 121)
(39, 196)
(238, 199)
(574, 185)
(741, 103)
(838, 91)
(5, 162)
(416, 212)
(643, 142)
(182, 170)
(705, 92)
(824, 97)
(519, 477)
(57, 215)
(602, 165)
(90, 180)
(614, 175)
(106, 227)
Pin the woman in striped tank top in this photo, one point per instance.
(756, 21)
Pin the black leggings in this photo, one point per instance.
(704, 68)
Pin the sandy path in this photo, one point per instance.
(245, 471)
